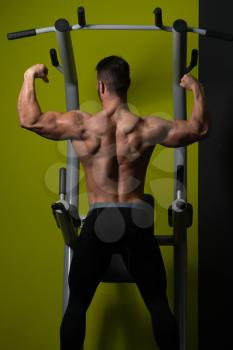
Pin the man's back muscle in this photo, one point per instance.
(114, 156)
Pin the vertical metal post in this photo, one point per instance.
(72, 102)
(180, 231)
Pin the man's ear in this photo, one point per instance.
(101, 87)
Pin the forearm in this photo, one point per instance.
(200, 117)
(28, 107)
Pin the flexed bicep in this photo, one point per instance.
(52, 125)
(178, 133)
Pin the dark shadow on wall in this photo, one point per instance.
(215, 223)
(215, 182)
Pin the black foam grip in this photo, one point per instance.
(217, 35)
(194, 58)
(81, 16)
(62, 180)
(179, 178)
(21, 34)
(193, 63)
(53, 56)
(158, 17)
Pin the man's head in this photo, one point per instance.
(113, 77)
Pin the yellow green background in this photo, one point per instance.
(31, 257)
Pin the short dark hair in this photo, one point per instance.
(114, 72)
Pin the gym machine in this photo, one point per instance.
(66, 209)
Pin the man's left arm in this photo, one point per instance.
(52, 125)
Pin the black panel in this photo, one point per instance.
(216, 182)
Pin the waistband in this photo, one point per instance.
(141, 205)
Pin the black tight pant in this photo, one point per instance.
(141, 255)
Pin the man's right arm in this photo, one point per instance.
(52, 125)
(178, 133)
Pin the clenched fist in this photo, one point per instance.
(37, 71)
(189, 82)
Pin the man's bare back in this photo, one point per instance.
(114, 145)
(114, 156)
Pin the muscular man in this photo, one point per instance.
(115, 147)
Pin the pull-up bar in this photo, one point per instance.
(83, 26)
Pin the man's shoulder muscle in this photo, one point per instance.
(154, 129)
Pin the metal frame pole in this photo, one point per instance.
(72, 102)
(180, 230)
